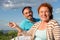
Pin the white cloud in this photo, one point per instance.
(22, 3)
(57, 10)
(51, 1)
(18, 4)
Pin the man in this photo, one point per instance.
(30, 20)
(27, 23)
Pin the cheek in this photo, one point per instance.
(49, 14)
(39, 15)
(25, 15)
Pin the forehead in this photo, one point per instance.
(26, 10)
(43, 9)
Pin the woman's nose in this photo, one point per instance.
(44, 13)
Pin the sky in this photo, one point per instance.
(11, 10)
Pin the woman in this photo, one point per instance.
(47, 28)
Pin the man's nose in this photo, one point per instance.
(28, 14)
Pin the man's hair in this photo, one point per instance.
(26, 7)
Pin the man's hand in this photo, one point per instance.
(12, 25)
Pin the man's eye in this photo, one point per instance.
(25, 13)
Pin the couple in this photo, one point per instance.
(46, 29)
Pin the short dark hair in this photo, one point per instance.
(27, 7)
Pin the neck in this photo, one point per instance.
(32, 20)
(44, 22)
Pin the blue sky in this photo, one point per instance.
(10, 10)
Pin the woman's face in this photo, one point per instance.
(44, 13)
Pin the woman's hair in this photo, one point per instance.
(27, 7)
(48, 6)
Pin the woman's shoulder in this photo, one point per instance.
(53, 23)
(36, 25)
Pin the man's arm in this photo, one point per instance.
(14, 25)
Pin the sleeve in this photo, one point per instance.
(22, 25)
(37, 19)
(56, 31)
(31, 32)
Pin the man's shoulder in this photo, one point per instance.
(25, 21)
(36, 19)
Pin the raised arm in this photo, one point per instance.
(14, 25)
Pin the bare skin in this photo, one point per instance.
(14, 25)
(27, 13)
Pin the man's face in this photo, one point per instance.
(28, 13)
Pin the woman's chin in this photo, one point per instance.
(44, 20)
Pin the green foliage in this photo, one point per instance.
(1, 32)
(3, 37)
(12, 33)
(9, 35)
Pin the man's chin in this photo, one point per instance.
(29, 18)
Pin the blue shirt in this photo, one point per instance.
(27, 24)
